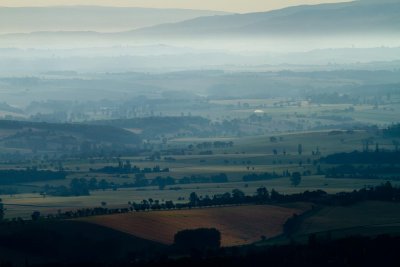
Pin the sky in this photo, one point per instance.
(238, 6)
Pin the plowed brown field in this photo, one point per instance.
(238, 224)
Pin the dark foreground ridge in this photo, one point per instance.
(66, 242)
(351, 251)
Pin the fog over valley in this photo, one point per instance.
(177, 135)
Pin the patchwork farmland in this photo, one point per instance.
(238, 225)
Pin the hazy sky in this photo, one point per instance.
(224, 5)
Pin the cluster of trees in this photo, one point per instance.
(332, 98)
(295, 177)
(85, 212)
(162, 182)
(83, 186)
(29, 175)
(126, 168)
(229, 198)
(261, 176)
(77, 187)
(151, 204)
(195, 179)
(64, 215)
(379, 164)
(384, 192)
(364, 172)
(392, 131)
(365, 157)
(209, 145)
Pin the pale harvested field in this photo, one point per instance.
(238, 225)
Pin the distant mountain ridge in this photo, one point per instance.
(377, 22)
(90, 18)
(359, 17)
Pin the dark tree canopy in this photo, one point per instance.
(356, 157)
(200, 239)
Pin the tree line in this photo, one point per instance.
(383, 192)
(29, 175)
(83, 186)
(126, 168)
(363, 172)
(209, 145)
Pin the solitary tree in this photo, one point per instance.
(295, 179)
(238, 194)
(365, 143)
(262, 193)
(193, 198)
(300, 149)
(376, 147)
(35, 215)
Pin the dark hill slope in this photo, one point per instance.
(68, 241)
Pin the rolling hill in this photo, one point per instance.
(66, 138)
